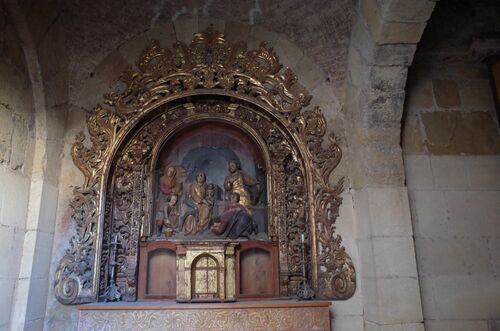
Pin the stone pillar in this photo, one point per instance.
(32, 283)
(382, 47)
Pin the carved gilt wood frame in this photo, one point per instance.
(209, 80)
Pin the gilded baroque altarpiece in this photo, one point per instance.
(171, 91)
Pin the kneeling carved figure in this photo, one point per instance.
(235, 221)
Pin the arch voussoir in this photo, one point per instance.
(383, 42)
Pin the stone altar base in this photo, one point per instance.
(249, 315)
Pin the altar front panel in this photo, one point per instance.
(286, 315)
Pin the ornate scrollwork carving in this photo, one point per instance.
(209, 62)
(75, 273)
(123, 136)
(312, 318)
(336, 274)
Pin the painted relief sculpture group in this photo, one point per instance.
(192, 211)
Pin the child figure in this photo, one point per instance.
(168, 215)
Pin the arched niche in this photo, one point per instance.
(209, 81)
(131, 183)
(208, 146)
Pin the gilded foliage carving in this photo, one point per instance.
(114, 200)
(209, 62)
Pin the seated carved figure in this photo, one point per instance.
(235, 221)
(199, 203)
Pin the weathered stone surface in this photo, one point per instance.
(496, 73)
(375, 54)
(397, 54)
(289, 53)
(446, 93)
(371, 14)
(419, 93)
(56, 122)
(465, 297)
(407, 11)
(455, 219)
(458, 325)
(19, 143)
(10, 238)
(325, 97)
(7, 287)
(54, 153)
(43, 16)
(15, 190)
(399, 300)
(383, 79)
(185, 29)
(390, 31)
(375, 143)
(418, 172)
(449, 173)
(12, 47)
(347, 323)
(103, 79)
(455, 256)
(400, 33)
(235, 31)
(326, 38)
(412, 140)
(477, 95)
(494, 324)
(382, 212)
(6, 128)
(456, 132)
(213, 23)
(466, 70)
(163, 32)
(309, 73)
(483, 172)
(386, 108)
(258, 34)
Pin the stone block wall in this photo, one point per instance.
(16, 149)
(455, 203)
(451, 147)
(32, 120)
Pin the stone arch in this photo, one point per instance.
(312, 77)
(383, 42)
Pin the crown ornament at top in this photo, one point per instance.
(209, 62)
